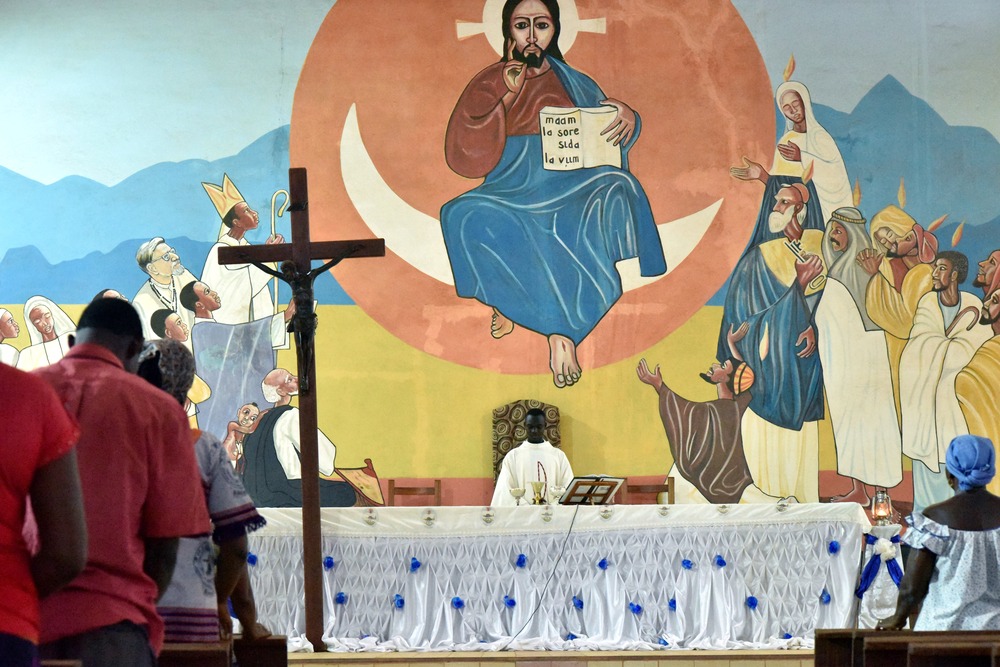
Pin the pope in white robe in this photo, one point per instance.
(241, 287)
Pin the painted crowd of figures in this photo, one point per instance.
(227, 318)
(823, 301)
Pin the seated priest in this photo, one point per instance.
(534, 460)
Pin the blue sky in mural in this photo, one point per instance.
(147, 83)
(193, 99)
(238, 65)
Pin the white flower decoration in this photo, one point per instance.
(885, 549)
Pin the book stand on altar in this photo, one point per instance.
(591, 490)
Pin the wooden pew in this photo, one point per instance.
(61, 663)
(201, 654)
(945, 654)
(880, 648)
(268, 652)
(891, 649)
(839, 647)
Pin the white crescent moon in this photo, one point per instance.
(416, 237)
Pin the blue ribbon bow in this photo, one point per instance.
(872, 567)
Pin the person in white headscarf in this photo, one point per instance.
(804, 144)
(855, 360)
(952, 574)
(49, 329)
(9, 328)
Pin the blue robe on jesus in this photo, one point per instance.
(540, 246)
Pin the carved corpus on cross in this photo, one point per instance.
(296, 270)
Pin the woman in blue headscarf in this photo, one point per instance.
(953, 568)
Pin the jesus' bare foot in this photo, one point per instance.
(857, 494)
(562, 360)
(500, 326)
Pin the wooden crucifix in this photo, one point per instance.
(296, 270)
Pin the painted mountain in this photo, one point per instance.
(91, 231)
(83, 223)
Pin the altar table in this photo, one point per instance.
(627, 577)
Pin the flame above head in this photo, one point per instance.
(901, 193)
(937, 223)
(957, 236)
(789, 68)
(857, 193)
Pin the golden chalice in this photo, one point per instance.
(537, 487)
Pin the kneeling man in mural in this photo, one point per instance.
(704, 437)
(272, 472)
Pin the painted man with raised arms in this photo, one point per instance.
(540, 246)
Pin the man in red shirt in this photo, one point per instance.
(141, 492)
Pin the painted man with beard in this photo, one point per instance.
(775, 288)
(852, 350)
(899, 266)
(946, 334)
(167, 277)
(505, 246)
(978, 384)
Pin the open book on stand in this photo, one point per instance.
(571, 138)
(591, 490)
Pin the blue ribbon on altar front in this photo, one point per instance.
(872, 567)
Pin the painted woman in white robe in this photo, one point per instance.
(48, 329)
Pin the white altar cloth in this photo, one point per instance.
(644, 577)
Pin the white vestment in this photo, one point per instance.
(531, 462)
(278, 331)
(43, 354)
(8, 354)
(286, 446)
(242, 288)
(858, 390)
(930, 363)
(150, 299)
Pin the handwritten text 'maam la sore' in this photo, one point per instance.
(569, 138)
